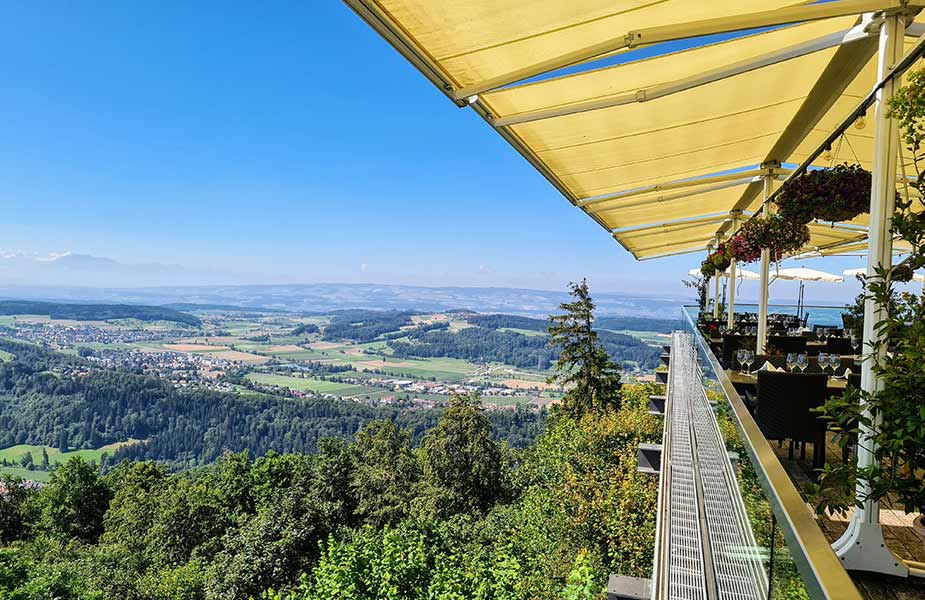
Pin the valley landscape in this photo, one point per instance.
(404, 364)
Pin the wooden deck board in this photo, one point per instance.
(897, 531)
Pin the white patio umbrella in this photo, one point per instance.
(863, 271)
(803, 274)
(740, 274)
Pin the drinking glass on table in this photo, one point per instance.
(835, 363)
(802, 362)
(823, 361)
(749, 359)
(791, 361)
(740, 356)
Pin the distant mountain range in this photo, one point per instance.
(69, 269)
(326, 297)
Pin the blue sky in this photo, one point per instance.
(284, 142)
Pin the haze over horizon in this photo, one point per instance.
(288, 152)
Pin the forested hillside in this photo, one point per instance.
(52, 399)
(492, 344)
(96, 312)
(460, 517)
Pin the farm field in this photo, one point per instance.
(313, 385)
(36, 475)
(15, 453)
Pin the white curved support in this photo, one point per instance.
(862, 546)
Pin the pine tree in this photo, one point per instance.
(590, 378)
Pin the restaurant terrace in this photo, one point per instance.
(673, 124)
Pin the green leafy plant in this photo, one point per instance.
(895, 414)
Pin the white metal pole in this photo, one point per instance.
(730, 312)
(765, 275)
(717, 274)
(706, 307)
(862, 546)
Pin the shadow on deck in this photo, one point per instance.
(897, 530)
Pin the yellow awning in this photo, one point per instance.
(658, 150)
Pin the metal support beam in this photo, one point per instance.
(707, 305)
(667, 89)
(694, 240)
(667, 254)
(788, 143)
(765, 281)
(674, 185)
(672, 197)
(716, 277)
(768, 18)
(654, 35)
(674, 226)
(842, 69)
(730, 312)
(862, 546)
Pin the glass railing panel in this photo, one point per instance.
(799, 563)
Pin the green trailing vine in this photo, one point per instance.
(898, 357)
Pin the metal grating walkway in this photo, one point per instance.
(705, 547)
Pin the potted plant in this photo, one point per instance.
(718, 260)
(837, 194)
(776, 233)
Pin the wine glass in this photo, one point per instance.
(823, 361)
(740, 356)
(749, 359)
(791, 361)
(802, 362)
(835, 363)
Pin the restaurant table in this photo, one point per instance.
(750, 379)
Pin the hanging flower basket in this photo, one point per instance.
(776, 233)
(837, 194)
(719, 260)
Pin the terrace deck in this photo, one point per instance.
(897, 530)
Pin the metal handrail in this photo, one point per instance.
(822, 573)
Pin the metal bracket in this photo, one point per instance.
(649, 459)
(657, 405)
(862, 548)
(621, 587)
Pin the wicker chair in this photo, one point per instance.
(839, 345)
(784, 409)
(733, 342)
(785, 344)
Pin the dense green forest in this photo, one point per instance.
(56, 400)
(459, 517)
(480, 344)
(376, 515)
(637, 324)
(365, 325)
(498, 321)
(96, 312)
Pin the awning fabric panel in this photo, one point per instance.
(476, 40)
(725, 125)
(721, 125)
(660, 207)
